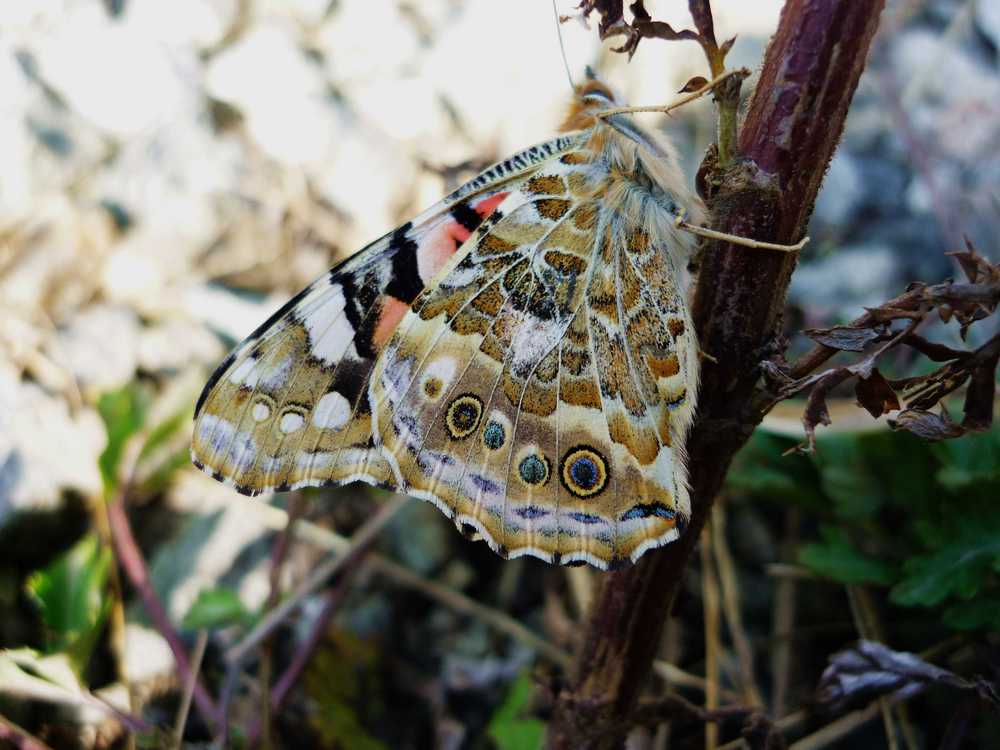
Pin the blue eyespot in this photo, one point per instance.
(533, 469)
(494, 435)
(584, 471)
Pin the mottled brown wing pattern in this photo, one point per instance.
(512, 397)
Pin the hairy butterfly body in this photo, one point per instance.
(520, 355)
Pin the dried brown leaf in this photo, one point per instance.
(871, 669)
(933, 350)
(979, 397)
(693, 84)
(927, 425)
(845, 338)
(701, 13)
(876, 395)
(610, 11)
(726, 46)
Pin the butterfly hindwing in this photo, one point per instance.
(509, 397)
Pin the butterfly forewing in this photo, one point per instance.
(297, 387)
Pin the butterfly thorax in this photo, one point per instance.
(636, 169)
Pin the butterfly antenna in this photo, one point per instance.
(562, 47)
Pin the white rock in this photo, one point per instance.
(988, 19)
(100, 347)
(44, 448)
(280, 92)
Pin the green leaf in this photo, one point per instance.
(838, 559)
(344, 702)
(215, 608)
(960, 568)
(70, 593)
(124, 413)
(971, 465)
(862, 473)
(761, 468)
(508, 728)
(164, 431)
(981, 612)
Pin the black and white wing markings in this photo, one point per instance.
(286, 383)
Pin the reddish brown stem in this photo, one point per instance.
(132, 562)
(794, 122)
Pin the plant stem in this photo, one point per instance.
(793, 124)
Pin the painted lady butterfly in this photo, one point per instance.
(520, 355)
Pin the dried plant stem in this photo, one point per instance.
(279, 553)
(783, 620)
(868, 627)
(185, 706)
(914, 300)
(131, 561)
(361, 539)
(731, 607)
(710, 603)
(277, 519)
(11, 735)
(102, 521)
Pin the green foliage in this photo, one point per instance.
(508, 727)
(837, 557)
(960, 567)
(216, 608)
(124, 413)
(335, 683)
(920, 518)
(70, 594)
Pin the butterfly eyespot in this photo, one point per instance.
(494, 435)
(291, 421)
(433, 387)
(463, 416)
(584, 471)
(261, 411)
(534, 469)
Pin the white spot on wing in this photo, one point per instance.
(221, 437)
(277, 376)
(533, 341)
(291, 422)
(245, 370)
(261, 411)
(332, 411)
(330, 332)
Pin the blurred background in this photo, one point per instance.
(173, 172)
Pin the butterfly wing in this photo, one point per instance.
(298, 385)
(537, 392)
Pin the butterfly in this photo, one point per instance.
(520, 354)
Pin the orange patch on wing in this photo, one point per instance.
(437, 247)
(663, 367)
(393, 311)
(485, 207)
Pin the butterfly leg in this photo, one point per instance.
(735, 239)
